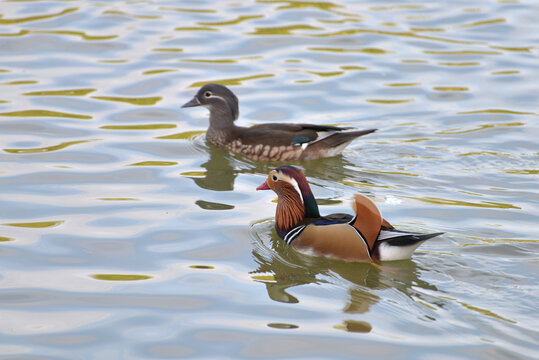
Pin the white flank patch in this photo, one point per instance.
(339, 149)
(389, 252)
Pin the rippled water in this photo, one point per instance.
(125, 235)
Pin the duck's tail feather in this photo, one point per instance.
(399, 245)
(340, 138)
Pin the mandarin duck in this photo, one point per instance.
(268, 142)
(367, 236)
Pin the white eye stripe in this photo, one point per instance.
(296, 187)
(218, 97)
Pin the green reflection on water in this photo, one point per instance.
(211, 61)
(482, 23)
(195, 28)
(389, 102)
(450, 88)
(342, 21)
(114, 61)
(264, 278)
(391, 172)
(46, 149)
(120, 277)
(482, 204)
(193, 173)
(69, 32)
(365, 184)
(393, 33)
(35, 18)
(282, 30)
(292, 4)
(72, 92)
(44, 113)
(471, 63)
(282, 326)
(238, 20)
(462, 52)
(168, 49)
(202, 267)
(230, 82)
(134, 101)
(208, 205)
(474, 153)
(5, 239)
(20, 82)
(36, 225)
(426, 29)
(522, 171)
(403, 84)
(414, 61)
(188, 135)
(485, 312)
(516, 49)
(151, 72)
(138, 127)
(352, 67)
(154, 163)
(355, 326)
(326, 74)
(506, 72)
(479, 310)
(480, 127)
(496, 111)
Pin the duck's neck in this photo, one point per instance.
(290, 212)
(221, 127)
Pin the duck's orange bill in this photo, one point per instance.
(264, 186)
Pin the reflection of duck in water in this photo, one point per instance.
(222, 168)
(280, 268)
(363, 237)
(268, 142)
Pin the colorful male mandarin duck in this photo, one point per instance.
(268, 142)
(367, 236)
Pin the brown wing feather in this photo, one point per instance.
(274, 136)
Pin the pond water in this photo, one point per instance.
(123, 234)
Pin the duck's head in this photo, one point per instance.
(290, 184)
(216, 98)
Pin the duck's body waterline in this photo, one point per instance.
(268, 142)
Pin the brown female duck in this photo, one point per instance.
(367, 236)
(268, 142)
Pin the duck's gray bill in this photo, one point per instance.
(193, 102)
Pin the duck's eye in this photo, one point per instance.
(274, 177)
(207, 94)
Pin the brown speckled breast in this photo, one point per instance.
(260, 152)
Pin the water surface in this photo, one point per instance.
(123, 234)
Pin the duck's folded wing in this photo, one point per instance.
(281, 135)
